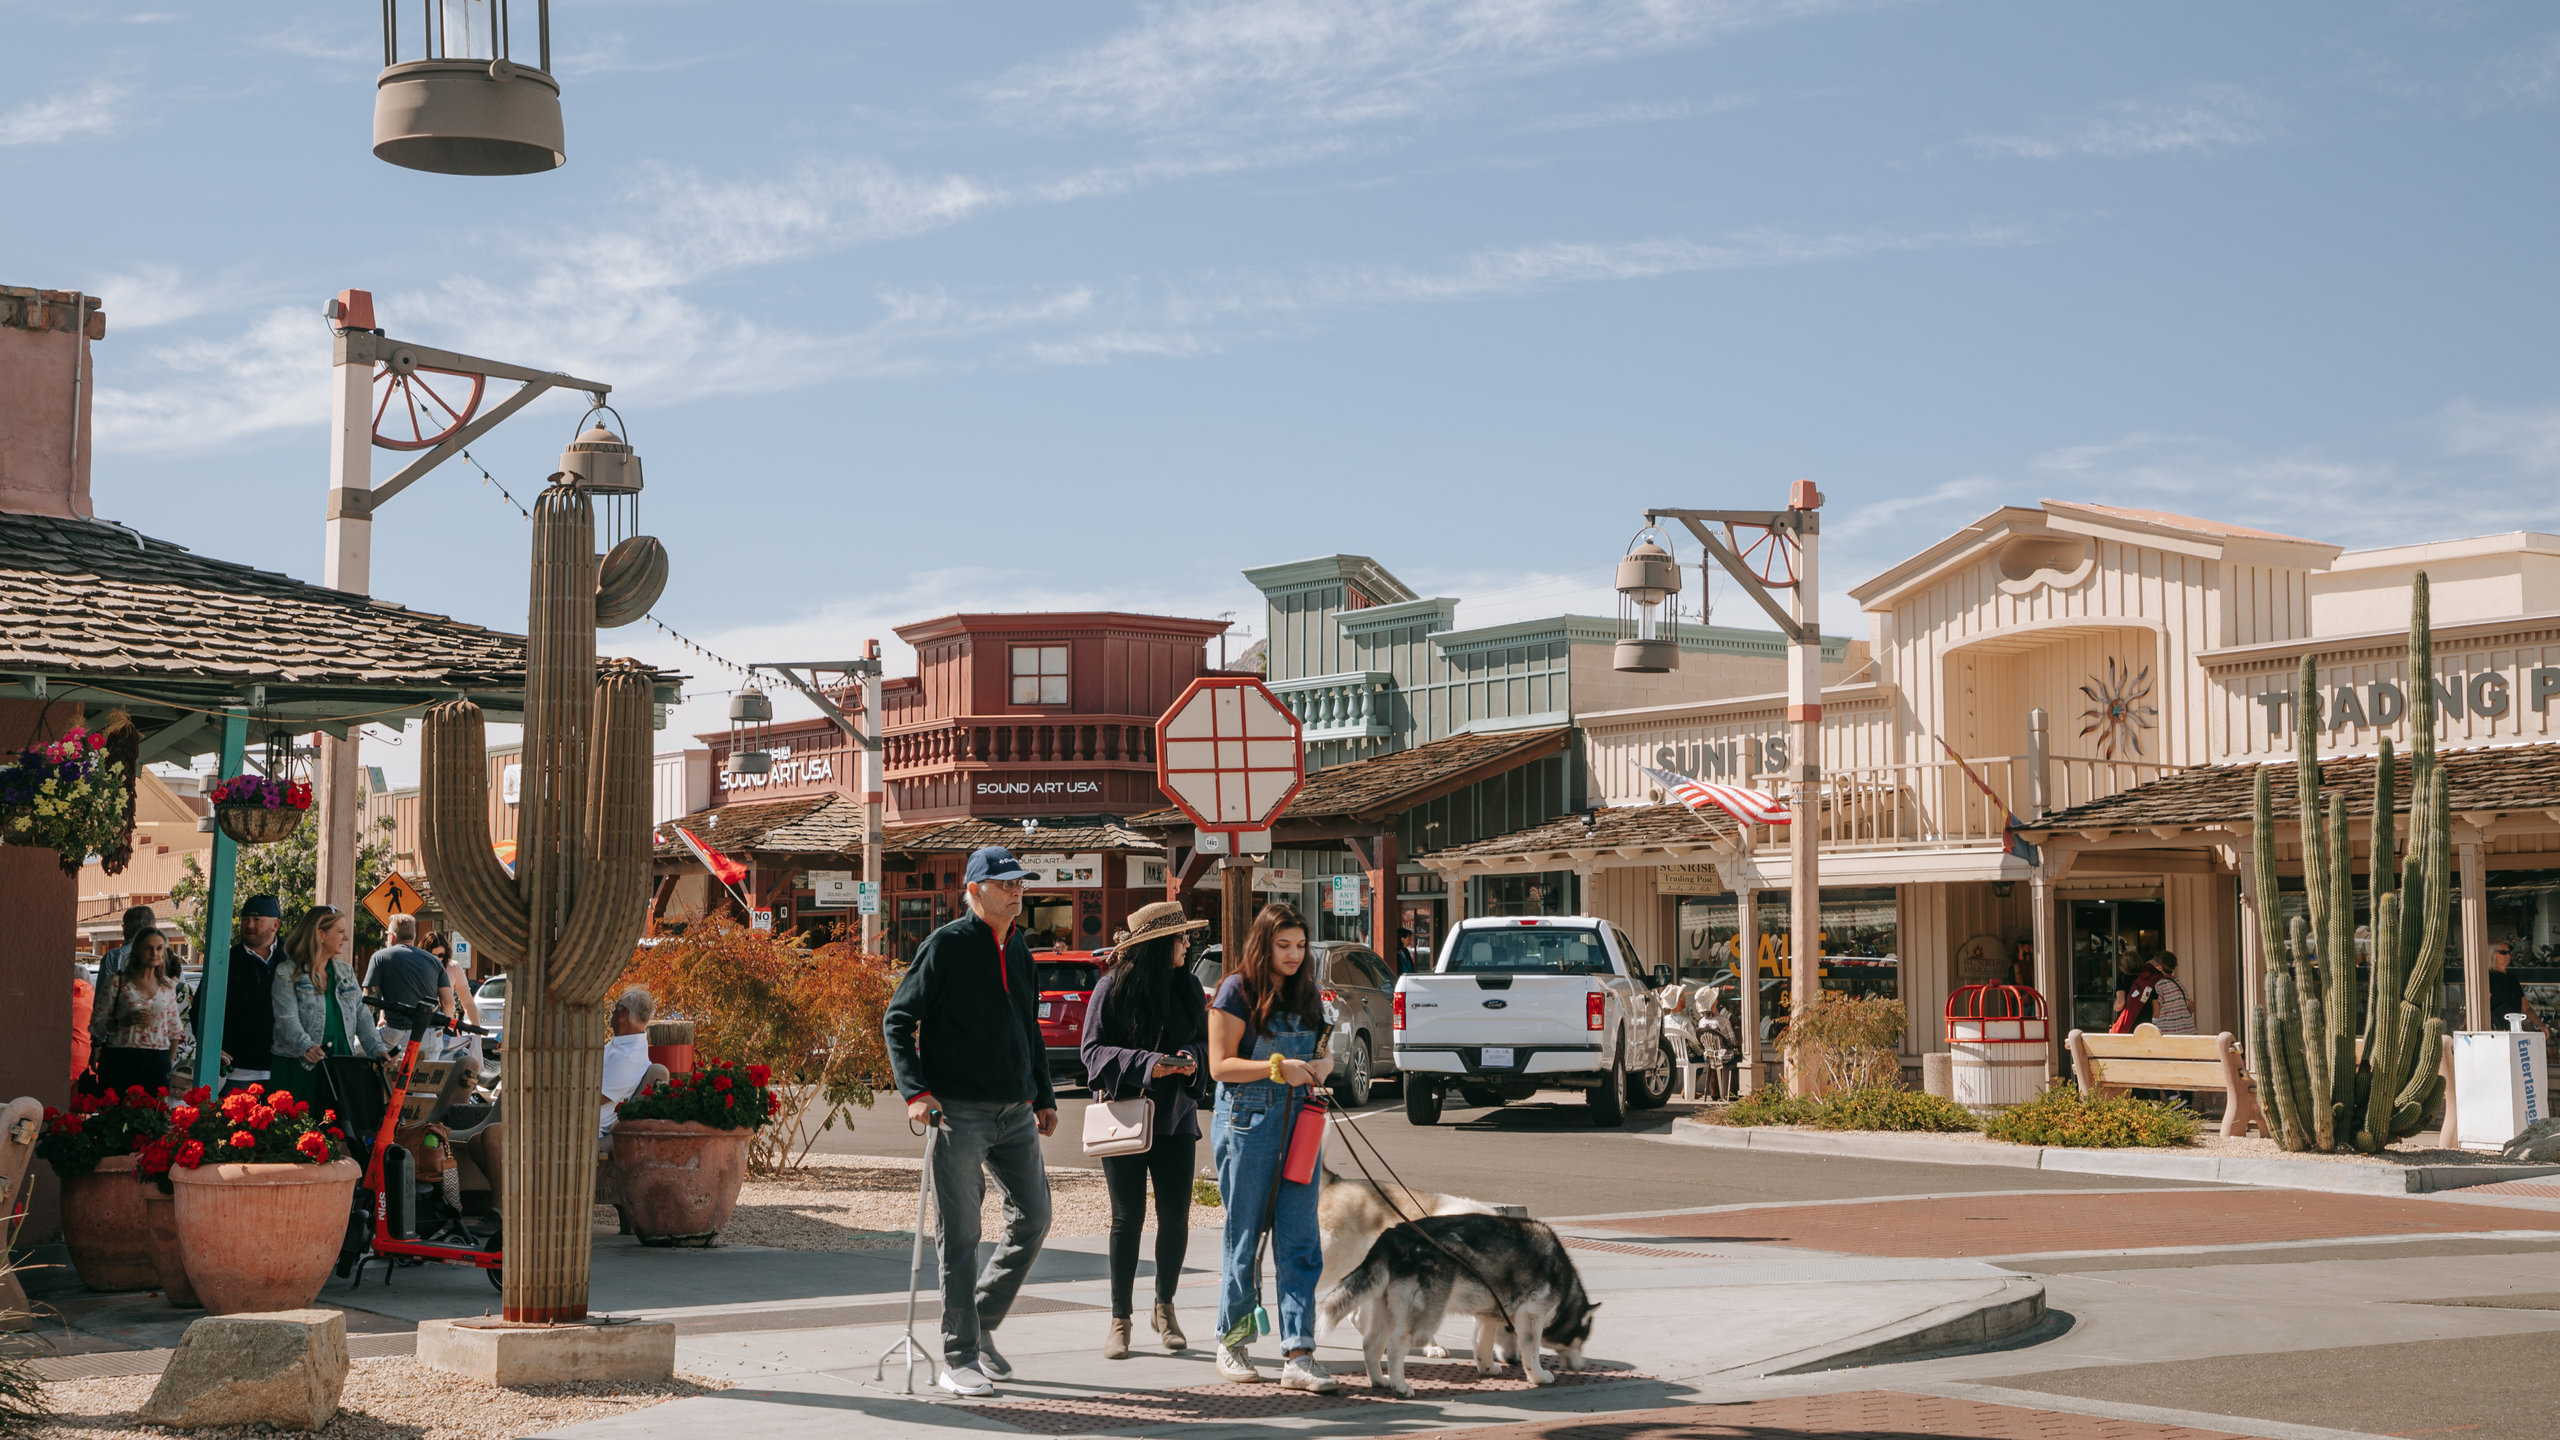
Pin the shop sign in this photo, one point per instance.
(1714, 759)
(1688, 880)
(2486, 694)
(833, 888)
(1346, 894)
(511, 784)
(788, 769)
(1274, 879)
(1039, 789)
(866, 896)
(1063, 872)
(1145, 874)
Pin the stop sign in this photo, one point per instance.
(1228, 753)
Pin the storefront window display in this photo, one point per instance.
(1861, 938)
(2109, 940)
(2524, 909)
(1549, 892)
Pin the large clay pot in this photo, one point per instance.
(104, 1228)
(168, 1257)
(262, 1237)
(679, 1180)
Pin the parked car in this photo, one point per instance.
(1067, 978)
(1516, 1005)
(1359, 1005)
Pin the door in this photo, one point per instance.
(2109, 940)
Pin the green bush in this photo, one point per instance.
(1204, 1191)
(2064, 1116)
(1876, 1107)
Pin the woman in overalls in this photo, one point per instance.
(1267, 1052)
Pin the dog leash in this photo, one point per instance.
(1401, 1223)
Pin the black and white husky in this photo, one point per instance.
(1512, 1275)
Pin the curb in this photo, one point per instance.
(2017, 1308)
(2343, 1178)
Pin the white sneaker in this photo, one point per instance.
(1236, 1367)
(996, 1366)
(965, 1381)
(1301, 1372)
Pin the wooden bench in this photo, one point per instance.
(2112, 1064)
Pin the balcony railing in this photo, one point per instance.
(1004, 743)
(1938, 804)
(1355, 705)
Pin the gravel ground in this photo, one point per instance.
(855, 1202)
(396, 1399)
(2412, 1151)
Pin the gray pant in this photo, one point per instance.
(985, 1141)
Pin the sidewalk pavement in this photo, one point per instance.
(1673, 1316)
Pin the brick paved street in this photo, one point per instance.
(1851, 1415)
(1974, 1226)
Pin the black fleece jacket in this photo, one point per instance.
(964, 1024)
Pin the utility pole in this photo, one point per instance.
(866, 735)
(1768, 552)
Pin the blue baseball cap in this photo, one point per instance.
(995, 862)
(261, 906)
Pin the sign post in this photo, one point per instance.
(1231, 757)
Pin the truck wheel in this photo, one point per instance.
(1482, 1097)
(1650, 1089)
(1421, 1100)
(1608, 1100)
(1351, 1078)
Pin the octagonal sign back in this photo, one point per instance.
(1229, 754)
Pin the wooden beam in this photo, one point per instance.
(169, 737)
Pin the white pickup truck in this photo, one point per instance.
(1522, 1004)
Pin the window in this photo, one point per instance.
(1538, 950)
(1039, 674)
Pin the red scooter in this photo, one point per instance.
(416, 1223)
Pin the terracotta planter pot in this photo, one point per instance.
(168, 1257)
(679, 1180)
(262, 1237)
(104, 1228)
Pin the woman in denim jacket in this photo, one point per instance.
(1266, 1050)
(320, 1012)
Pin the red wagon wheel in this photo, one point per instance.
(413, 414)
(1769, 554)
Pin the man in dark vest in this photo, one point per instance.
(248, 999)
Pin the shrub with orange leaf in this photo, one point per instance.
(811, 1012)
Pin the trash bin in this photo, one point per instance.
(2001, 1038)
(2501, 1084)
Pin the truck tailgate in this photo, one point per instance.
(1496, 1010)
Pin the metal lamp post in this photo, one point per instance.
(1648, 578)
(1768, 553)
(866, 735)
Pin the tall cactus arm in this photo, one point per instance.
(2338, 947)
(471, 885)
(613, 897)
(2386, 796)
(2389, 1024)
(2293, 1089)
(2314, 835)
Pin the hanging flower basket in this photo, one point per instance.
(255, 810)
(70, 795)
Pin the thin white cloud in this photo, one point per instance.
(150, 295)
(95, 109)
(272, 376)
(2528, 440)
(2203, 118)
(1636, 113)
(1227, 64)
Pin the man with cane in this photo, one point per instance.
(965, 1047)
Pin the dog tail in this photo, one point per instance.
(1366, 1279)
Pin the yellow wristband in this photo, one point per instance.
(1275, 1067)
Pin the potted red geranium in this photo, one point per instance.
(91, 1149)
(681, 1148)
(263, 1186)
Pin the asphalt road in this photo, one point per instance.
(1546, 1154)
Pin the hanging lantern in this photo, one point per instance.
(462, 103)
(750, 733)
(605, 466)
(1648, 583)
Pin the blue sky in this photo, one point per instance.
(922, 306)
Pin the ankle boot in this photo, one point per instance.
(1169, 1328)
(1115, 1345)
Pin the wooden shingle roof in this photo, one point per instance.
(1384, 786)
(1097, 832)
(827, 824)
(2506, 778)
(1626, 827)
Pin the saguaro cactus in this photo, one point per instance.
(2324, 1088)
(563, 924)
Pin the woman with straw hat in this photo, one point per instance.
(1146, 1034)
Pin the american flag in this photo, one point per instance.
(1751, 807)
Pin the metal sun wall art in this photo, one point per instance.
(2116, 714)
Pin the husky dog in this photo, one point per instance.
(1512, 1275)
(1352, 1214)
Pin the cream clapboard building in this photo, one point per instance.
(2101, 681)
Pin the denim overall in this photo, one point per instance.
(1248, 1140)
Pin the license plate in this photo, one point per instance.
(1497, 1058)
(1044, 1009)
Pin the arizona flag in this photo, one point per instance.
(730, 872)
(1751, 807)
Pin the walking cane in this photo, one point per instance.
(915, 1268)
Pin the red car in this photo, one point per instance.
(1066, 984)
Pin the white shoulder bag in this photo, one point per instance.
(1121, 1127)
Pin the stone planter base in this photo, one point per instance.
(495, 1352)
(678, 1181)
(105, 1229)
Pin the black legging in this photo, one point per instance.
(1169, 1162)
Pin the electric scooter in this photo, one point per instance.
(415, 1222)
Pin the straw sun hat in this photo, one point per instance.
(1155, 922)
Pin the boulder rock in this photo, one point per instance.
(284, 1368)
(2537, 1144)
